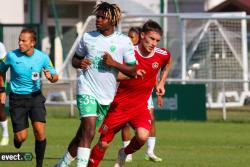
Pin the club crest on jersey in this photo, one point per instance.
(155, 65)
(112, 48)
(104, 128)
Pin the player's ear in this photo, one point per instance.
(142, 34)
(33, 43)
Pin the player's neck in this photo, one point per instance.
(143, 51)
(108, 32)
(29, 52)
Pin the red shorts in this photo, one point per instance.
(116, 119)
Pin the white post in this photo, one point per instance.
(183, 49)
(165, 24)
(58, 54)
(244, 52)
(224, 112)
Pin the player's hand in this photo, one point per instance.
(84, 63)
(108, 60)
(140, 73)
(160, 101)
(160, 90)
(2, 98)
(47, 74)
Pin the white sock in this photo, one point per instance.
(4, 125)
(125, 143)
(151, 145)
(66, 160)
(82, 156)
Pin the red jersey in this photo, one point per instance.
(134, 93)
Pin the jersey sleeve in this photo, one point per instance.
(166, 54)
(48, 65)
(167, 57)
(5, 63)
(81, 48)
(129, 54)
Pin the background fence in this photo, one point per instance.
(207, 48)
(9, 34)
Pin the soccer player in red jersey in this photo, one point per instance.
(130, 102)
(134, 34)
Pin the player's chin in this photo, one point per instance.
(21, 49)
(98, 27)
(150, 49)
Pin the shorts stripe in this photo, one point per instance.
(89, 115)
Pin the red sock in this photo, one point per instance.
(96, 156)
(133, 146)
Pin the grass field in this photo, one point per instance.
(180, 144)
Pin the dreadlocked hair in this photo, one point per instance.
(112, 12)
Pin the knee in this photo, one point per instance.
(39, 135)
(39, 130)
(21, 137)
(142, 137)
(86, 135)
(89, 132)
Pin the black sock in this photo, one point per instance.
(40, 151)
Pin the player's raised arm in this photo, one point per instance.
(51, 77)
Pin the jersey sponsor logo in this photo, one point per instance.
(98, 64)
(161, 51)
(155, 65)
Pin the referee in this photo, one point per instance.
(26, 100)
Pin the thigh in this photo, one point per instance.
(3, 116)
(87, 105)
(37, 112)
(18, 113)
(141, 119)
(39, 130)
(101, 113)
(114, 121)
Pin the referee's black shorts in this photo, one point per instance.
(24, 106)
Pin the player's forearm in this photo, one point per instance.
(76, 62)
(165, 72)
(129, 70)
(163, 78)
(121, 77)
(2, 79)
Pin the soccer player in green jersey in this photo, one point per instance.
(100, 55)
